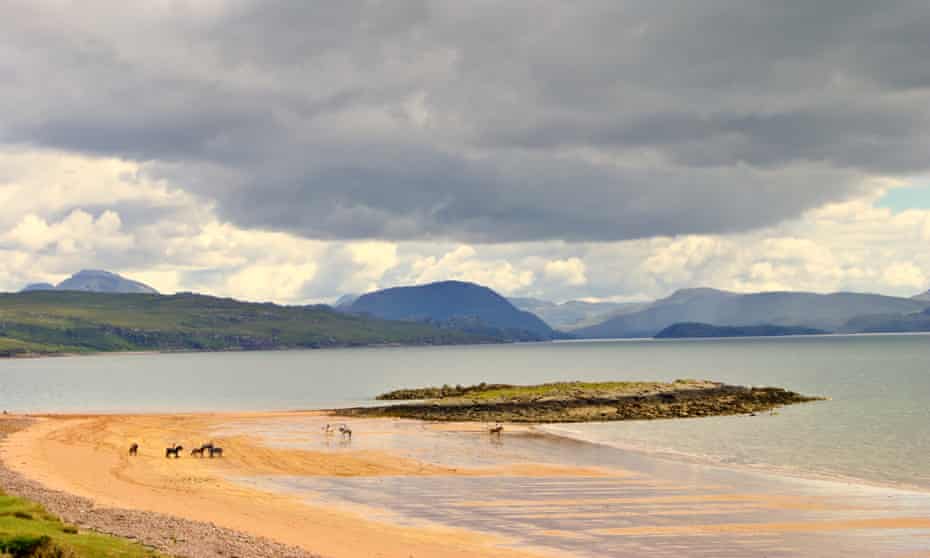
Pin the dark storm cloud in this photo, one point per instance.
(487, 122)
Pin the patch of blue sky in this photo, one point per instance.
(912, 197)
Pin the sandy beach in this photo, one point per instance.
(86, 456)
(282, 479)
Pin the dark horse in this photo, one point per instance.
(197, 452)
(134, 449)
(174, 450)
(216, 451)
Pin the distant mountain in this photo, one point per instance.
(889, 323)
(710, 306)
(456, 305)
(38, 287)
(575, 313)
(345, 301)
(96, 281)
(694, 330)
(925, 297)
(61, 321)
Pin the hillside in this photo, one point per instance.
(96, 281)
(575, 313)
(77, 322)
(698, 330)
(828, 312)
(889, 323)
(923, 297)
(454, 304)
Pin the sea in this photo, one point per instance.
(874, 428)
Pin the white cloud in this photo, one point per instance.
(570, 271)
(462, 264)
(905, 274)
(159, 234)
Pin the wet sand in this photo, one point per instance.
(404, 488)
(87, 456)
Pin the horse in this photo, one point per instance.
(174, 450)
(345, 431)
(197, 452)
(216, 451)
(134, 449)
(497, 430)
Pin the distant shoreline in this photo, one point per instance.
(28, 356)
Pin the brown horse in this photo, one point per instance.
(174, 450)
(216, 451)
(197, 452)
(134, 449)
(496, 430)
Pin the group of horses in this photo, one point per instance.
(175, 450)
(212, 450)
(344, 430)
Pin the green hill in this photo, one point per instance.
(49, 322)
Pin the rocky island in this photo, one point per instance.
(579, 401)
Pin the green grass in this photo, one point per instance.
(24, 524)
(559, 389)
(505, 392)
(17, 347)
(50, 322)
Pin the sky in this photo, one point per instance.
(295, 151)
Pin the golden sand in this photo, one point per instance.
(88, 456)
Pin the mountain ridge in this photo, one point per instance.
(453, 304)
(63, 322)
(828, 312)
(95, 281)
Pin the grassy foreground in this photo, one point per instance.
(27, 530)
(59, 322)
(580, 401)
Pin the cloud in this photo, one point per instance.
(297, 151)
(173, 242)
(570, 271)
(905, 274)
(431, 120)
(79, 232)
(461, 263)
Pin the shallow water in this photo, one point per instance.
(621, 504)
(876, 426)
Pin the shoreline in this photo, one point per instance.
(172, 502)
(31, 356)
(765, 470)
(164, 533)
(579, 402)
(336, 347)
(146, 497)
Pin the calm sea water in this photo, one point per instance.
(876, 427)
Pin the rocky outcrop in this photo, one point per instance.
(686, 400)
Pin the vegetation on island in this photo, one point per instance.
(27, 530)
(65, 322)
(580, 401)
